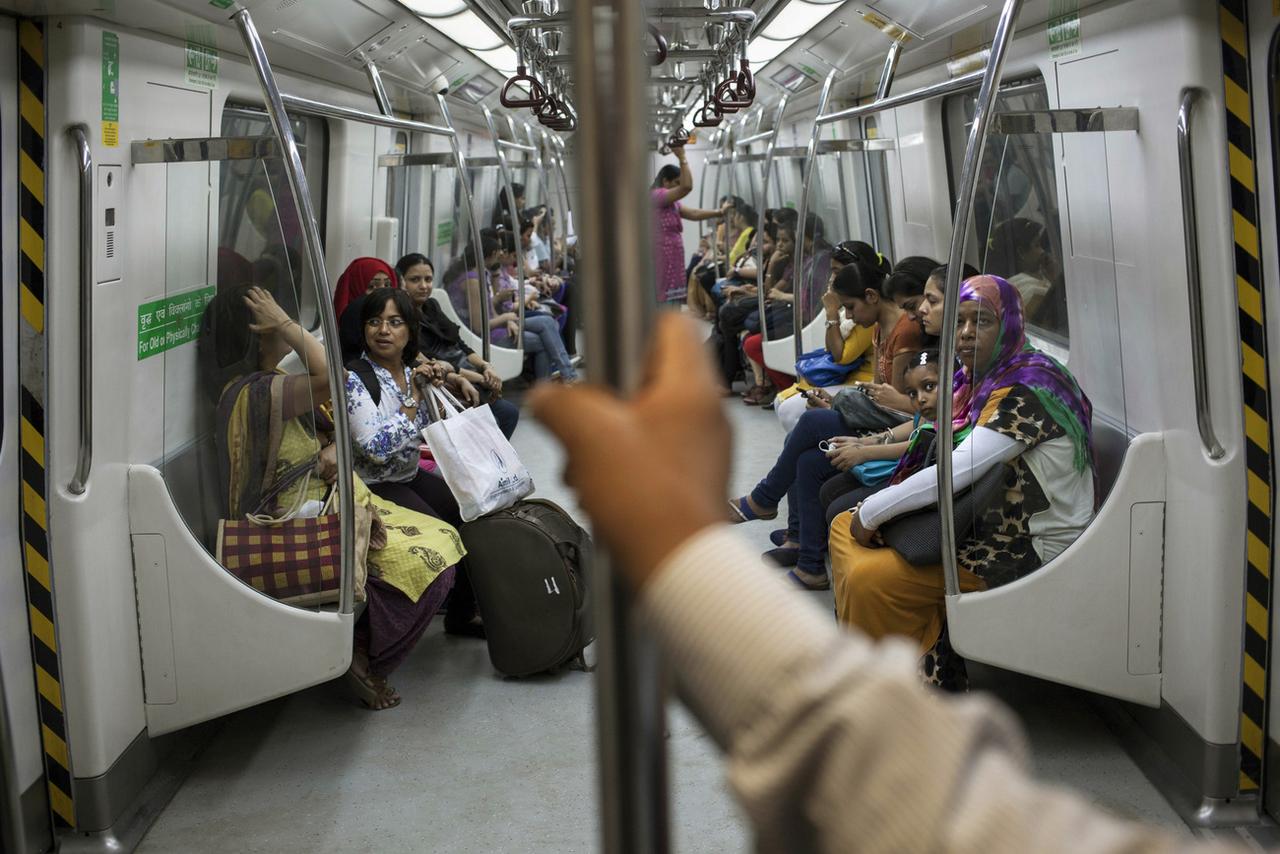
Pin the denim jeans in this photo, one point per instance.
(798, 474)
(542, 339)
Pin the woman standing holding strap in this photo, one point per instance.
(673, 184)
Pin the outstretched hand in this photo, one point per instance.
(652, 470)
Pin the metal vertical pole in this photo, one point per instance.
(384, 106)
(379, 91)
(505, 173)
(431, 218)
(798, 285)
(966, 190)
(460, 160)
(882, 91)
(619, 302)
(328, 320)
(869, 180)
(890, 68)
(762, 204)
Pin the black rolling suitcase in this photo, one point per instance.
(529, 566)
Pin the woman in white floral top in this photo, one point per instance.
(387, 435)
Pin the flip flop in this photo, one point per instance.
(742, 512)
(778, 537)
(783, 557)
(825, 584)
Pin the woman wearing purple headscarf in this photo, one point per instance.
(1013, 406)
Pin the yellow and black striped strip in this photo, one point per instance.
(1233, 22)
(35, 520)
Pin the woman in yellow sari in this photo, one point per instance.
(270, 423)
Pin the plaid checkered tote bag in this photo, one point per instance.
(290, 558)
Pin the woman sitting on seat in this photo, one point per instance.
(896, 336)
(541, 335)
(268, 424)
(440, 339)
(361, 276)
(387, 433)
(1014, 406)
(835, 493)
(848, 343)
(814, 453)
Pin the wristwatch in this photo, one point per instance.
(831, 323)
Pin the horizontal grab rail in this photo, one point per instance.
(306, 106)
(963, 83)
(517, 146)
(758, 137)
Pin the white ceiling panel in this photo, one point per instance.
(925, 18)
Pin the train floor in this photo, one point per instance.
(471, 762)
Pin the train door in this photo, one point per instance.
(210, 642)
(1263, 48)
(23, 799)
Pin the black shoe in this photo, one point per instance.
(783, 557)
(471, 627)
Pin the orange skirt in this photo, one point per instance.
(881, 594)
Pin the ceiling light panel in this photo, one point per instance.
(435, 8)
(467, 30)
(797, 18)
(502, 58)
(761, 50)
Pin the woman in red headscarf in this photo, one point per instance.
(361, 276)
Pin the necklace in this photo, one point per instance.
(406, 399)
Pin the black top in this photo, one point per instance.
(438, 336)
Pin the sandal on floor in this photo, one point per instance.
(793, 577)
(742, 512)
(779, 537)
(754, 395)
(783, 557)
(368, 691)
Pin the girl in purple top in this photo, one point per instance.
(673, 184)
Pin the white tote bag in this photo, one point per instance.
(482, 469)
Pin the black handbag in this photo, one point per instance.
(917, 536)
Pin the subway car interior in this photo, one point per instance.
(540, 183)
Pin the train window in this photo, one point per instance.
(199, 336)
(257, 218)
(1016, 232)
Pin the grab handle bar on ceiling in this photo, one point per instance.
(84, 160)
(292, 161)
(663, 47)
(1195, 298)
(536, 93)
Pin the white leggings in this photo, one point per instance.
(790, 410)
